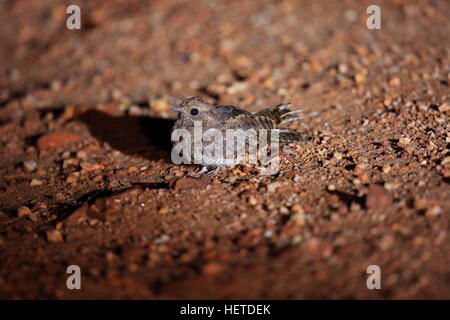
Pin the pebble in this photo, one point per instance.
(405, 141)
(272, 187)
(297, 208)
(284, 210)
(391, 186)
(23, 211)
(82, 155)
(394, 82)
(212, 268)
(338, 155)
(252, 201)
(298, 219)
(187, 183)
(56, 139)
(268, 233)
(162, 239)
(159, 105)
(36, 182)
(71, 179)
(90, 166)
(433, 211)
(237, 87)
(54, 236)
(164, 210)
(297, 239)
(360, 78)
(133, 169)
(30, 165)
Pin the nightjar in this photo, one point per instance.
(194, 113)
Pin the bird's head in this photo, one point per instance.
(195, 109)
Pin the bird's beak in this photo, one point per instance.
(177, 109)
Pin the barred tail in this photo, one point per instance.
(281, 114)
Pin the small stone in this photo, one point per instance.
(231, 179)
(387, 168)
(36, 182)
(331, 187)
(394, 82)
(159, 105)
(110, 256)
(91, 166)
(284, 210)
(343, 68)
(297, 239)
(187, 183)
(272, 187)
(56, 139)
(387, 101)
(252, 201)
(41, 173)
(133, 169)
(268, 233)
(391, 186)
(70, 162)
(236, 87)
(23, 211)
(212, 268)
(296, 208)
(433, 211)
(405, 141)
(338, 155)
(162, 239)
(298, 219)
(54, 236)
(164, 210)
(360, 78)
(82, 155)
(30, 165)
(71, 180)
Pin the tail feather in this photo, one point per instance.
(280, 114)
(289, 116)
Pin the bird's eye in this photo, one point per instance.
(194, 112)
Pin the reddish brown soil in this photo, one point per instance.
(90, 108)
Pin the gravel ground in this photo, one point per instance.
(85, 171)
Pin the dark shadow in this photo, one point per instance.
(63, 211)
(145, 137)
(348, 198)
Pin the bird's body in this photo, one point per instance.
(196, 113)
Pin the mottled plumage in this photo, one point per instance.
(230, 117)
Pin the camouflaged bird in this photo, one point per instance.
(227, 117)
